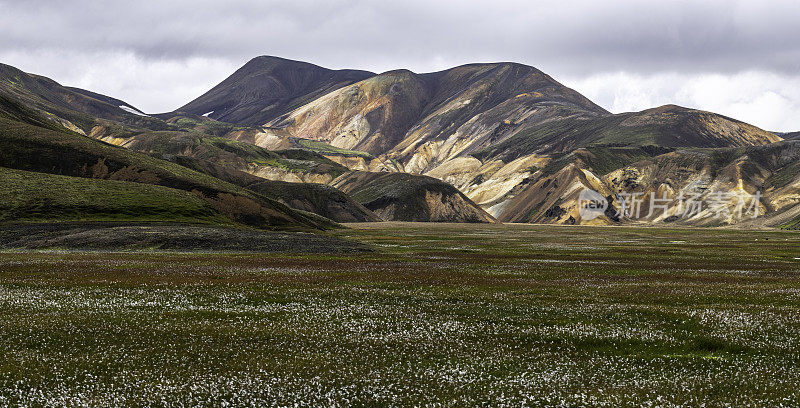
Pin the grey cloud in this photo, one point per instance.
(576, 37)
(160, 54)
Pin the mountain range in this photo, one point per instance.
(290, 145)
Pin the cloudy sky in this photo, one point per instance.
(739, 58)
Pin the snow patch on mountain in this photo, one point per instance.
(131, 110)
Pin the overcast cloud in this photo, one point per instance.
(739, 58)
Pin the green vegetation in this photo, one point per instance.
(664, 127)
(568, 134)
(204, 125)
(370, 187)
(410, 197)
(462, 315)
(783, 176)
(12, 109)
(29, 196)
(32, 148)
(324, 148)
(602, 160)
(294, 160)
(320, 199)
(230, 153)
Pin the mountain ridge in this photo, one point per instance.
(500, 140)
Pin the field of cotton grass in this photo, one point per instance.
(438, 315)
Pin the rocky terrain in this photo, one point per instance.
(410, 197)
(474, 143)
(267, 87)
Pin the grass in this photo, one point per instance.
(677, 129)
(324, 148)
(293, 160)
(32, 148)
(449, 315)
(29, 196)
(231, 153)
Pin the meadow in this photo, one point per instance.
(436, 315)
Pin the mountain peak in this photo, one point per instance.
(267, 87)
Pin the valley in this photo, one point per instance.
(451, 314)
(475, 143)
(399, 204)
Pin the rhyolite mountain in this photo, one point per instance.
(189, 140)
(476, 142)
(76, 109)
(65, 176)
(513, 139)
(267, 87)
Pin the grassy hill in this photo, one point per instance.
(31, 196)
(33, 148)
(320, 199)
(226, 152)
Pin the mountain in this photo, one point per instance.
(409, 197)
(255, 168)
(76, 109)
(267, 87)
(294, 165)
(667, 126)
(473, 143)
(325, 200)
(36, 149)
(766, 178)
(31, 104)
(404, 115)
(508, 136)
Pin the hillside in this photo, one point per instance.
(404, 115)
(267, 87)
(290, 165)
(32, 148)
(30, 196)
(74, 108)
(668, 126)
(321, 199)
(501, 137)
(763, 180)
(408, 197)
(508, 136)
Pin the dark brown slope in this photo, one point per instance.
(80, 108)
(267, 87)
(409, 197)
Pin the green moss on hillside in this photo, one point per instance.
(31, 196)
(324, 148)
(31, 148)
